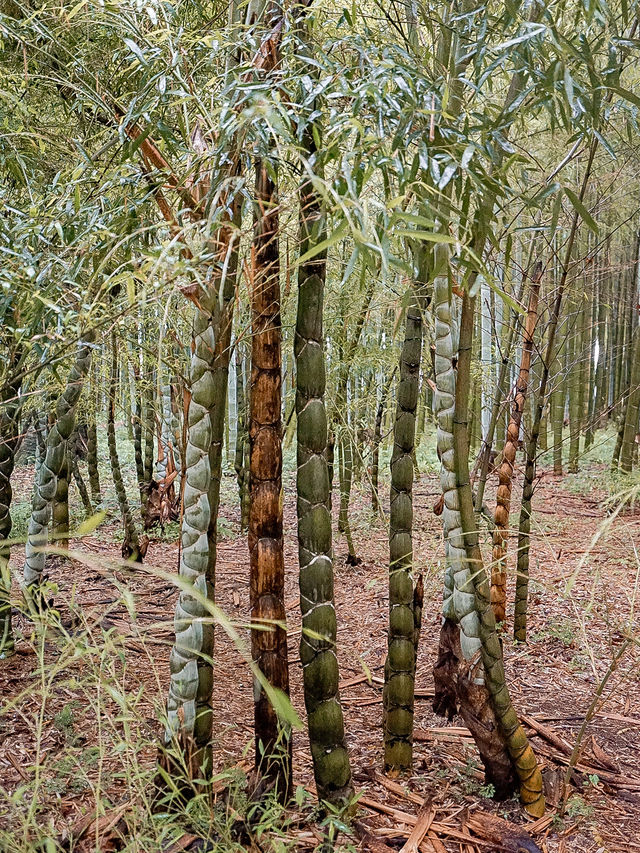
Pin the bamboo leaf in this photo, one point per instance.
(133, 47)
(581, 210)
(627, 95)
(323, 245)
(535, 30)
(429, 236)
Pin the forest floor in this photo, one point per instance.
(79, 709)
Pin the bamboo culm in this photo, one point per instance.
(318, 652)
(46, 480)
(9, 408)
(265, 534)
(398, 694)
(131, 543)
(505, 469)
(524, 760)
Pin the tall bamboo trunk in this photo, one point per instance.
(77, 475)
(126, 397)
(60, 504)
(425, 403)
(505, 471)
(165, 443)
(345, 475)
(189, 704)
(575, 369)
(618, 348)
(520, 752)
(269, 647)
(9, 407)
(149, 431)
(46, 480)
(630, 424)
(131, 543)
(602, 377)
(585, 355)
(498, 401)
(557, 414)
(485, 357)
(591, 334)
(318, 652)
(138, 447)
(92, 436)
(459, 643)
(225, 248)
(398, 694)
(242, 440)
(522, 582)
(377, 439)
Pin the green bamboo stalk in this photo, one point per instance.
(149, 430)
(602, 371)
(487, 444)
(506, 467)
(60, 503)
(225, 250)
(459, 644)
(46, 480)
(92, 441)
(318, 655)
(377, 438)
(131, 543)
(77, 475)
(524, 760)
(189, 708)
(189, 703)
(398, 694)
(9, 408)
(138, 447)
(632, 409)
(557, 414)
(575, 367)
(591, 379)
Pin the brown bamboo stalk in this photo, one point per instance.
(269, 647)
(505, 471)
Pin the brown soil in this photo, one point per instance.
(582, 602)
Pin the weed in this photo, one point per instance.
(64, 720)
(472, 785)
(487, 791)
(577, 807)
(98, 749)
(561, 630)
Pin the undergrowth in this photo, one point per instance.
(93, 733)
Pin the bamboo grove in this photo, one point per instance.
(268, 232)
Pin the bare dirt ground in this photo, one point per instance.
(585, 570)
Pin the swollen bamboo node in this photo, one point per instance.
(273, 741)
(52, 465)
(331, 767)
(459, 597)
(9, 408)
(189, 702)
(531, 786)
(505, 471)
(398, 694)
